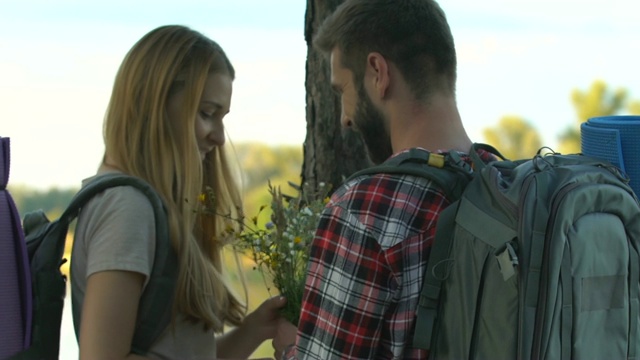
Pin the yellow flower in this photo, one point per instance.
(297, 240)
(326, 200)
(202, 197)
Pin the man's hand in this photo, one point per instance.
(285, 336)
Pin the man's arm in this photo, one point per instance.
(347, 291)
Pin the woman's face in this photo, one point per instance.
(213, 106)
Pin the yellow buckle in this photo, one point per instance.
(436, 160)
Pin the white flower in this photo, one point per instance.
(307, 211)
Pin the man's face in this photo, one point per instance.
(359, 112)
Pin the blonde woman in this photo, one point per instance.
(164, 124)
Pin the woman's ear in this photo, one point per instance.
(377, 72)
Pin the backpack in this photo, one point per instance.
(15, 296)
(41, 312)
(533, 259)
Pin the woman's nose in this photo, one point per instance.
(216, 134)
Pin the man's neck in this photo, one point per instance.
(435, 125)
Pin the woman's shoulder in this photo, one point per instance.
(126, 203)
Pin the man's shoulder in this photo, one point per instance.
(382, 188)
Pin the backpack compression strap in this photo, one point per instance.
(154, 312)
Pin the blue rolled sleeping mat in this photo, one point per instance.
(617, 140)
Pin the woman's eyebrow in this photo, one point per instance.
(212, 103)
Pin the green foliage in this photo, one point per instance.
(514, 137)
(280, 247)
(262, 164)
(596, 101)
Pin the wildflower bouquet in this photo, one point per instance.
(280, 248)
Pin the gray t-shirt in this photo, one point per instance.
(116, 231)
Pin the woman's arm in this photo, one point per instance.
(109, 315)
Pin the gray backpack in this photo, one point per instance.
(535, 259)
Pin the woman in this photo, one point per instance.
(164, 125)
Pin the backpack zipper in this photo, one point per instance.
(526, 184)
(544, 275)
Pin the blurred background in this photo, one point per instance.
(529, 72)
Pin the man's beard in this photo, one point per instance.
(370, 123)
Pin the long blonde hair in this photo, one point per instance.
(141, 141)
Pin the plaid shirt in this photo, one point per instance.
(366, 268)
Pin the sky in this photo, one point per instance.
(58, 60)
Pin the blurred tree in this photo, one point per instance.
(330, 153)
(514, 137)
(634, 107)
(262, 164)
(598, 100)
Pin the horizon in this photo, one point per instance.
(59, 60)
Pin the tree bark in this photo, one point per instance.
(331, 153)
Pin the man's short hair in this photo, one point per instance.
(412, 34)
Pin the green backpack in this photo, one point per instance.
(534, 259)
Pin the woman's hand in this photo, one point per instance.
(263, 321)
(285, 336)
(260, 325)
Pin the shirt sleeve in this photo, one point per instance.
(365, 271)
(348, 290)
(121, 233)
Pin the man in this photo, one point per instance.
(394, 65)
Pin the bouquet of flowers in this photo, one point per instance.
(280, 248)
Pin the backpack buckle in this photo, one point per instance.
(507, 261)
(436, 160)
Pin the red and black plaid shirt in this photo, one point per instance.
(366, 266)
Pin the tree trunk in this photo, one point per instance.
(331, 154)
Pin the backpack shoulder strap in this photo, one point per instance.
(436, 272)
(154, 311)
(439, 258)
(447, 171)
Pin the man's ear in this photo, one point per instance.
(378, 71)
